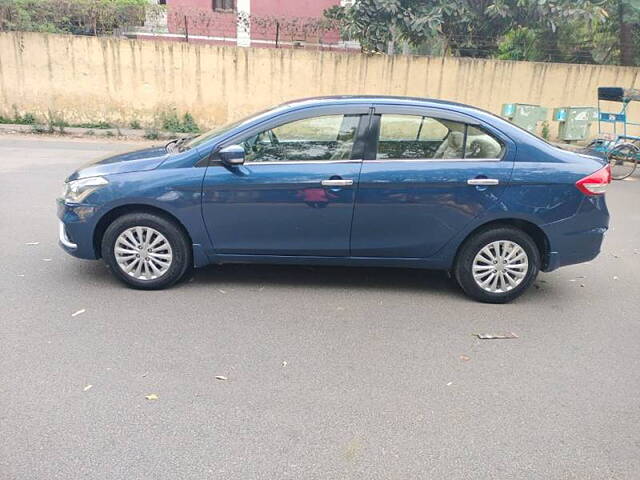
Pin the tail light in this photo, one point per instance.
(596, 183)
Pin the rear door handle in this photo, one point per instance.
(483, 181)
(336, 183)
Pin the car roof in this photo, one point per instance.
(337, 100)
(359, 99)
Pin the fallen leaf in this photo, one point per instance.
(490, 336)
(222, 291)
(145, 374)
(449, 384)
(221, 377)
(32, 243)
(79, 312)
(87, 388)
(151, 396)
(465, 358)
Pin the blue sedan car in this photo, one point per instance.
(360, 180)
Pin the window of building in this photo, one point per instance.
(224, 5)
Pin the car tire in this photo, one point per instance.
(491, 268)
(160, 242)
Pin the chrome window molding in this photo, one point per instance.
(435, 160)
(302, 162)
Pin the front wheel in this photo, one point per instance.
(623, 160)
(146, 251)
(497, 265)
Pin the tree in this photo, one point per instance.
(469, 27)
(628, 16)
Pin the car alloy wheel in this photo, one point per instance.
(500, 266)
(143, 253)
(497, 264)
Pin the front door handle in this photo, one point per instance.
(336, 183)
(483, 182)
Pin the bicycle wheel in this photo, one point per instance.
(623, 160)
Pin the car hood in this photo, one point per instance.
(136, 161)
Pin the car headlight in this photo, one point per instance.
(76, 191)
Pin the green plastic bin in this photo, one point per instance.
(525, 115)
(574, 123)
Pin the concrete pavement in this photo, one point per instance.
(332, 372)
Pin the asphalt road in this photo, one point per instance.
(373, 386)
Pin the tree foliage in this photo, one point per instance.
(71, 16)
(542, 30)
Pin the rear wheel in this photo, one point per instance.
(497, 265)
(623, 160)
(146, 251)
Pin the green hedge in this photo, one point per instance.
(88, 17)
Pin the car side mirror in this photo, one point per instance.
(233, 155)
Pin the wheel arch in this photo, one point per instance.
(538, 235)
(117, 212)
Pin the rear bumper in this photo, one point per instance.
(75, 230)
(577, 239)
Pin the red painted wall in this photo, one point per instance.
(203, 20)
(290, 8)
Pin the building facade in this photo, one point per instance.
(257, 23)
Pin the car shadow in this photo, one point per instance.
(362, 278)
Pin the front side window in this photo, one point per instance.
(416, 137)
(328, 137)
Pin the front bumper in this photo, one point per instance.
(76, 228)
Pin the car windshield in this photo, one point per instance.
(216, 132)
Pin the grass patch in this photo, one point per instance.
(185, 124)
(18, 119)
(135, 124)
(152, 134)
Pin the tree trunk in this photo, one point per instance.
(626, 36)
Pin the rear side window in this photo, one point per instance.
(415, 137)
(482, 145)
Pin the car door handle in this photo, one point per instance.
(336, 183)
(483, 181)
